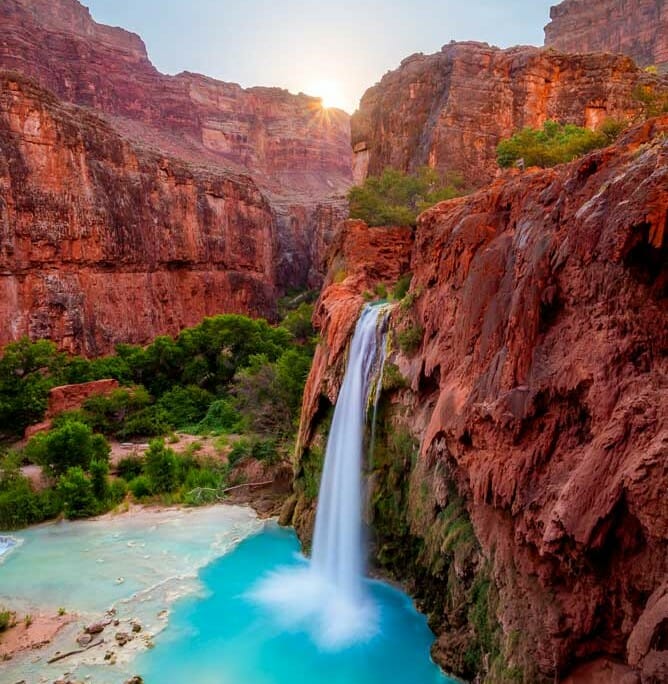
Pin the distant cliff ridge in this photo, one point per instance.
(449, 110)
(637, 28)
(133, 203)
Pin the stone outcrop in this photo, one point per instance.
(103, 242)
(68, 398)
(450, 110)
(637, 28)
(161, 199)
(519, 478)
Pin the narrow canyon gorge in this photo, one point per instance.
(517, 467)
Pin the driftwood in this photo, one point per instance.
(62, 656)
(219, 494)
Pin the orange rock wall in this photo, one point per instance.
(538, 396)
(450, 110)
(637, 28)
(103, 242)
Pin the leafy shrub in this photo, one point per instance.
(242, 448)
(140, 487)
(71, 444)
(6, 618)
(222, 416)
(392, 378)
(19, 505)
(117, 491)
(410, 338)
(130, 467)
(184, 406)
(76, 493)
(99, 478)
(160, 467)
(553, 144)
(402, 286)
(396, 198)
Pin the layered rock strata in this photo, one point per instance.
(518, 479)
(162, 198)
(102, 241)
(637, 28)
(450, 110)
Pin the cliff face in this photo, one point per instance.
(202, 178)
(637, 28)
(450, 110)
(520, 469)
(102, 241)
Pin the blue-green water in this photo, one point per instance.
(227, 637)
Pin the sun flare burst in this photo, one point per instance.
(330, 92)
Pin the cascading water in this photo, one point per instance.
(337, 544)
(328, 597)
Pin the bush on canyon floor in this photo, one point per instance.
(76, 492)
(555, 143)
(72, 444)
(396, 198)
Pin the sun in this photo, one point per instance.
(330, 92)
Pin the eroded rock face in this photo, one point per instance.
(183, 197)
(637, 28)
(450, 110)
(103, 242)
(530, 518)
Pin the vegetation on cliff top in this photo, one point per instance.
(555, 143)
(396, 198)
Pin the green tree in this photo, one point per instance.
(28, 370)
(160, 467)
(76, 493)
(99, 478)
(71, 444)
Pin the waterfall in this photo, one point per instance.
(337, 544)
(328, 597)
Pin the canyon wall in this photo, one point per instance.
(518, 479)
(450, 110)
(637, 28)
(102, 241)
(228, 195)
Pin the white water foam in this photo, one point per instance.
(328, 598)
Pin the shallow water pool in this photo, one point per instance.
(228, 637)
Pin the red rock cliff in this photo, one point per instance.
(521, 463)
(449, 110)
(102, 241)
(271, 231)
(637, 28)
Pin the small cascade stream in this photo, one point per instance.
(329, 596)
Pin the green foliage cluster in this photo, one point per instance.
(6, 617)
(410, 338)
(396, 198)
(170, 384)
(173, 477)
(228, 374)
(555, 143)
(76, 459)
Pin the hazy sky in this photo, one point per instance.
(335, 48)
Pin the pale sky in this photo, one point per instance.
(334, 49)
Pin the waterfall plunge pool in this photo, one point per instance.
(204, 566)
